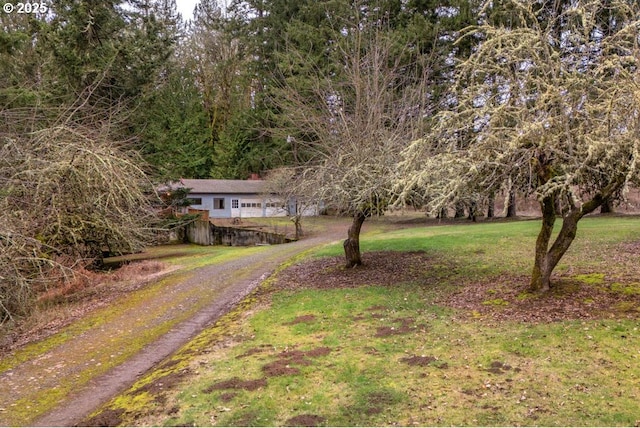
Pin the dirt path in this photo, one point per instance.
(73, 374)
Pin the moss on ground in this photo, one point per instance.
(136, 401)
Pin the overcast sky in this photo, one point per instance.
(185, 8)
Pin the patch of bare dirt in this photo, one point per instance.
(287, 361)
(373, 403)
(507, 298)
(279, 368)
(305, 421)
(407, 325)
(416, 360)
(297, 356)
(318, 352)
(237, 383)
(228, 396)
(384, 268)
(504, 297)
(378, 401)
(248, 419)
(253, 351)
(498, 367)
(424, 361)
(302, 319)
(108, 418)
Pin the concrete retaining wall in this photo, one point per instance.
(206, 233)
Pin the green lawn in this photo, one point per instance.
(373, 355)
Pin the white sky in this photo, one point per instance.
(185, 8)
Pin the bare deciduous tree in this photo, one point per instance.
(557, 110)
(354, 123)
(67, 193)
(286, 184)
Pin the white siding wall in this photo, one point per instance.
(251, 207)
(248, 206)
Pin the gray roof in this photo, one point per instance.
(222, 186)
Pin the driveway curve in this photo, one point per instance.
(65, 384)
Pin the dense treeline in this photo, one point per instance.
(201, 98)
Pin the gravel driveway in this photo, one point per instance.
(215, 289)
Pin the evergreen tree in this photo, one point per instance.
(106, 54)
(170, 122)
(173, 129)
(20, 60)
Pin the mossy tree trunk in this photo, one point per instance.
(352, 243)
(546, 259)
(541, 275)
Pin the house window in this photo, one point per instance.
(195, 201)
(234, 203)
(244, 205)
(218, 203)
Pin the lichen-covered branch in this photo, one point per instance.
(552, 102)
(68, 194)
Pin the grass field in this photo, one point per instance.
(319, 352)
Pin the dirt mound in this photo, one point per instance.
(305, 421)
(107, 418)
(284, 365)
(236, 383)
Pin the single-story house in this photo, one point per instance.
(235, 198)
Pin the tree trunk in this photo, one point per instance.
(297, 221)
(607, 207)
(473, 209)
(547, 259)
(541, 275)
(541, 279)
(459, 206)
(558, 203)
(564, 239)
(491, 205)
(511, 203)
(352, 243)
